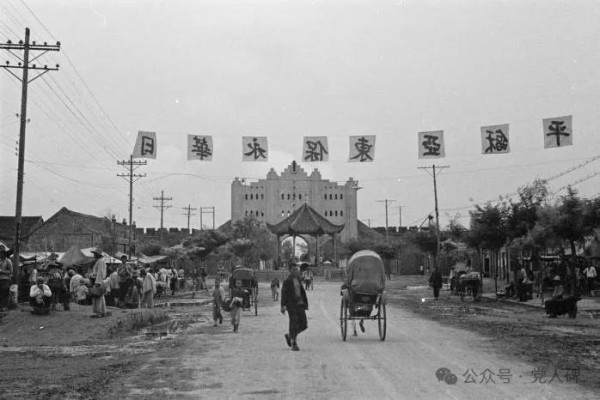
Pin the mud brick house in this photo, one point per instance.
(7, 228)
(67, 228)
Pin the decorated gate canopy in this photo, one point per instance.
(305, 220)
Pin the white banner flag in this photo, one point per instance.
(200, 148)
(255, 148)
(145, 145)
(431, 144)
(558, 132)
(494, 139)
(315, 149)
(362, 148)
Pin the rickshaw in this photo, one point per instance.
(363, 293)
(244, 279)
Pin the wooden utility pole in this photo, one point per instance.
(437, 213)
(132, 178)
(387, 236)
(162, 206)
(25, 47)
(189, 210)
(207, 210)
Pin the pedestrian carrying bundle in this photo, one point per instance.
(97, 291)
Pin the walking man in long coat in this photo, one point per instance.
(294, 301)
(99, 274)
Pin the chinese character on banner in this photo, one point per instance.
(200, 148)
(362, 148)
(255, 148)
(431, 144)
(315, 149)
(494, 139)
(558, 132)
(145, 145)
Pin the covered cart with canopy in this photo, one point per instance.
(363, 293)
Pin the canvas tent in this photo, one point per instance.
(107, 258)
(74, 257)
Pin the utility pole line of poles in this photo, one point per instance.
(189, 210)
(207, 210)
(387, 236)
(131, 177)
(437, 213)
(24, 64)
(162, 206)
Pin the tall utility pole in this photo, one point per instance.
(387, 236)
(132, 178)
(25, 47)
(437, 213)
(207, 210)
(189, 210)
(162, 206)
(400, 217)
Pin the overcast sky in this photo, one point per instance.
(288, 69)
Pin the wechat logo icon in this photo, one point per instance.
(444, 374)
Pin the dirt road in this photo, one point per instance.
(256, 363)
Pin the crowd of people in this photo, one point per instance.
(54, 286)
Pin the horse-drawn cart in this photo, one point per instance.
(469, 284)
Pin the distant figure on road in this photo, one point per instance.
(275, 288)
(218, 295)
(436, 281)
(590, 274)
(294, 301)
(237, 300)
(422, 269)
(148, 289)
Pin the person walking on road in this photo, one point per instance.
(148, 289)
(294, 301)
(275, 289)
(218, 295)
(436, 281)
(590, 275)
(237, 302)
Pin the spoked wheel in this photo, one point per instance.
(381, 321)
(344, 319)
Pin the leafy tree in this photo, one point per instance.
(252, 241)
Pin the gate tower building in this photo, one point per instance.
(273, 199)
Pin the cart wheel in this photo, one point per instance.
(381, 321)
(344, 319)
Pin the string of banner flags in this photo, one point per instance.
(495, 139)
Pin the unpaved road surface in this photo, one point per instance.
(214, 363)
